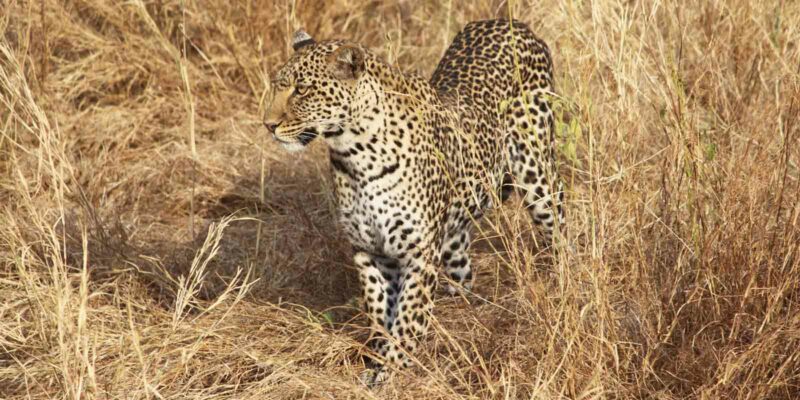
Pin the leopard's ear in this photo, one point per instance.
(301, 39)
(347, 61)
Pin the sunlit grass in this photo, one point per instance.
(154, 243)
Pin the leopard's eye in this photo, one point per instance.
(301, 88)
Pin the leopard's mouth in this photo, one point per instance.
(306, 137)
(297, 141)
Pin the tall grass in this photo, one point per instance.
(155, 243)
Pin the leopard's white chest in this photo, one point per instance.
(371, 214)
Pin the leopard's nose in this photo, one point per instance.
(271, 126)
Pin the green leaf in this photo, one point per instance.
(328, 317)
(711, 151)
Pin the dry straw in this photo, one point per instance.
(123, 121)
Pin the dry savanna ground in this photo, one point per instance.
(156, 243)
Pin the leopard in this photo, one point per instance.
(415, 163)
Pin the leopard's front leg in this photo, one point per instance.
(410, 291)
(379, 278)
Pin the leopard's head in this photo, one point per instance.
(313, 90)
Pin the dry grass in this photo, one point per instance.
(130, 136)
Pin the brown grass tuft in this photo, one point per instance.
(154, 243)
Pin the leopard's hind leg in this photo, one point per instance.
(455, 257)
(531, 160)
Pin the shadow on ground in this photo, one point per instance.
(285, 238)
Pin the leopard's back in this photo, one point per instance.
(486, 64)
